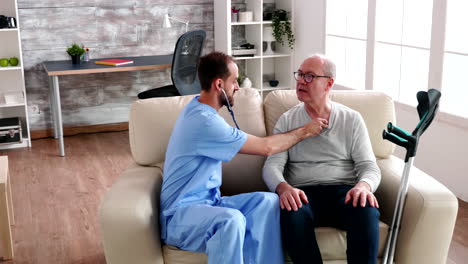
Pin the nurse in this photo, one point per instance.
(194, 216)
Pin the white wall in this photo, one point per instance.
(443, 149)
(310, 29)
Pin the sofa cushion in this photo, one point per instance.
(332, 244)
(376, 108)
(244, 172)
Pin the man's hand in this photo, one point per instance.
(361, 191)
(314, 127)
(290, 197)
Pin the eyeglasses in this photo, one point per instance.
(308, 78)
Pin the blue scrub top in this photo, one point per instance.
(200, 141)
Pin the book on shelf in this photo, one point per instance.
(114, 62)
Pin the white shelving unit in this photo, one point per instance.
(260, 68)
(12, 77)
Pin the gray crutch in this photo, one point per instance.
(428, 102)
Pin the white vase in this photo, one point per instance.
(247, 83)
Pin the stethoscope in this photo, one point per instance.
(229, 108)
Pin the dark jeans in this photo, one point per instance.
(326, 207)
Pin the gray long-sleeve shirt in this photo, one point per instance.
(340, 154)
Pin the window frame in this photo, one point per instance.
(436, 56)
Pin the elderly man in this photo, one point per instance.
(194, 216)
(329, 179)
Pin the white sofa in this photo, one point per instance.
(129, 212)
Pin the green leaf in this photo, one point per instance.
(282, 27)
(75, 50)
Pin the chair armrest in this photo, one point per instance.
(428, 218)
(128, 214)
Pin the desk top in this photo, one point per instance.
(66, 67)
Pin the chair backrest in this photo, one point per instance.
(185, 62)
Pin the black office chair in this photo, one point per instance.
(184, 67)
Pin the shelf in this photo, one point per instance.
(8, 29)
(260, 67)
(12, 84)
(247, 58)
(10, 105)
(269, 22)
(263, 57)
(278, 55)
(247, 23)
(10, 68)
(254, 23)
(267, 87)
(25, 143)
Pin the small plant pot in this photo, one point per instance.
(76, 59)
(282, 15)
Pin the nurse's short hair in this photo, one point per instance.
(212, 66)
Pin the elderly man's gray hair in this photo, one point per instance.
(329, 68)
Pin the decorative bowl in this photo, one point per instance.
(273, 83)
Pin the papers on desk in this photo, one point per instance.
(114, 62)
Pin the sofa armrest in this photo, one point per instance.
(428, 218)
(128, 215)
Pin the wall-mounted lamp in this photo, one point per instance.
(167, 22)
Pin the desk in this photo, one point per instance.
(55, 69)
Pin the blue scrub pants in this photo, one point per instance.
(326, 207)
(237, 229)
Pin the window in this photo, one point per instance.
(402, 48)
(346, 40)
(454, 87)
(396, 46)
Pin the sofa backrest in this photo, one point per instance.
(152, 120)
(376, 108)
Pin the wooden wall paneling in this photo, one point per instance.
(36, 79)
(117, 26)
(56, 3)
(110, 29)
(57, 17)
(57, 39)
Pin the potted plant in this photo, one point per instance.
(282, 26)
(75, 51)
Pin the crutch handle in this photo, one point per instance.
(391, 128)
(401, 138)
(395, 139)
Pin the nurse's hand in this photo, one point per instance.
(315, 127)
(290, 197)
